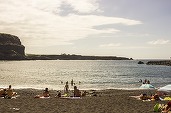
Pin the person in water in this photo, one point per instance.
(72, 82)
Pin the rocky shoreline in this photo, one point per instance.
(162, 62)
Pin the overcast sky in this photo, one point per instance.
(130, 28)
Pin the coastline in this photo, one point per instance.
(106, 101)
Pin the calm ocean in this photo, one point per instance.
(88, 74)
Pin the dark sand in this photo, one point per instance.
(106, 101)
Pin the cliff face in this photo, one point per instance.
(11, 48)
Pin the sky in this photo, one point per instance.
(138, 29)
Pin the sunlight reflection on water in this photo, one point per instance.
(92, 74)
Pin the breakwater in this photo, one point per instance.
(162, 62)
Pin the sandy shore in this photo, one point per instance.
(106, 101)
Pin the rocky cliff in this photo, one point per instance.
(11, 47)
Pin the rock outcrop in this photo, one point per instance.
(11, 48)
(160, 62)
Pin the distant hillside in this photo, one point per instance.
(11, 48)
(74, 57)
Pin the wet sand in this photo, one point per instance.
(106, 101)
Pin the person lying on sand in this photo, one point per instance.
(167, 108)
(84, 94)
(144, 97)
(45, 94)
(155, 97)
(58, 94)
(3, 92)
(10, 93)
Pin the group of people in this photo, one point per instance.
(163, 108)
(76, 92)
(7, 92)
(145, 81)
(151, 97)
(167, 108)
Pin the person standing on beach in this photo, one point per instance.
(72, 82)
(66, 88)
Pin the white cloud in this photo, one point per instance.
(35, 22)
(110, 45)
(159, 42)
(84, 6)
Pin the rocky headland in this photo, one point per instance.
(11, 48)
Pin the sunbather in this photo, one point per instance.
(45, 94)
(144, 97)
(10, 93)
(77, 92)
(3, 93)
(155, 97)
(167, 108)
(58, 94)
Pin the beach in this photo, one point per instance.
(105, 101)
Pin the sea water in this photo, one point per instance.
(86, 74)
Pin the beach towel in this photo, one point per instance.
(70, 98)
(44, 97)
(13, 97)
(167, 98)
(158, 107)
